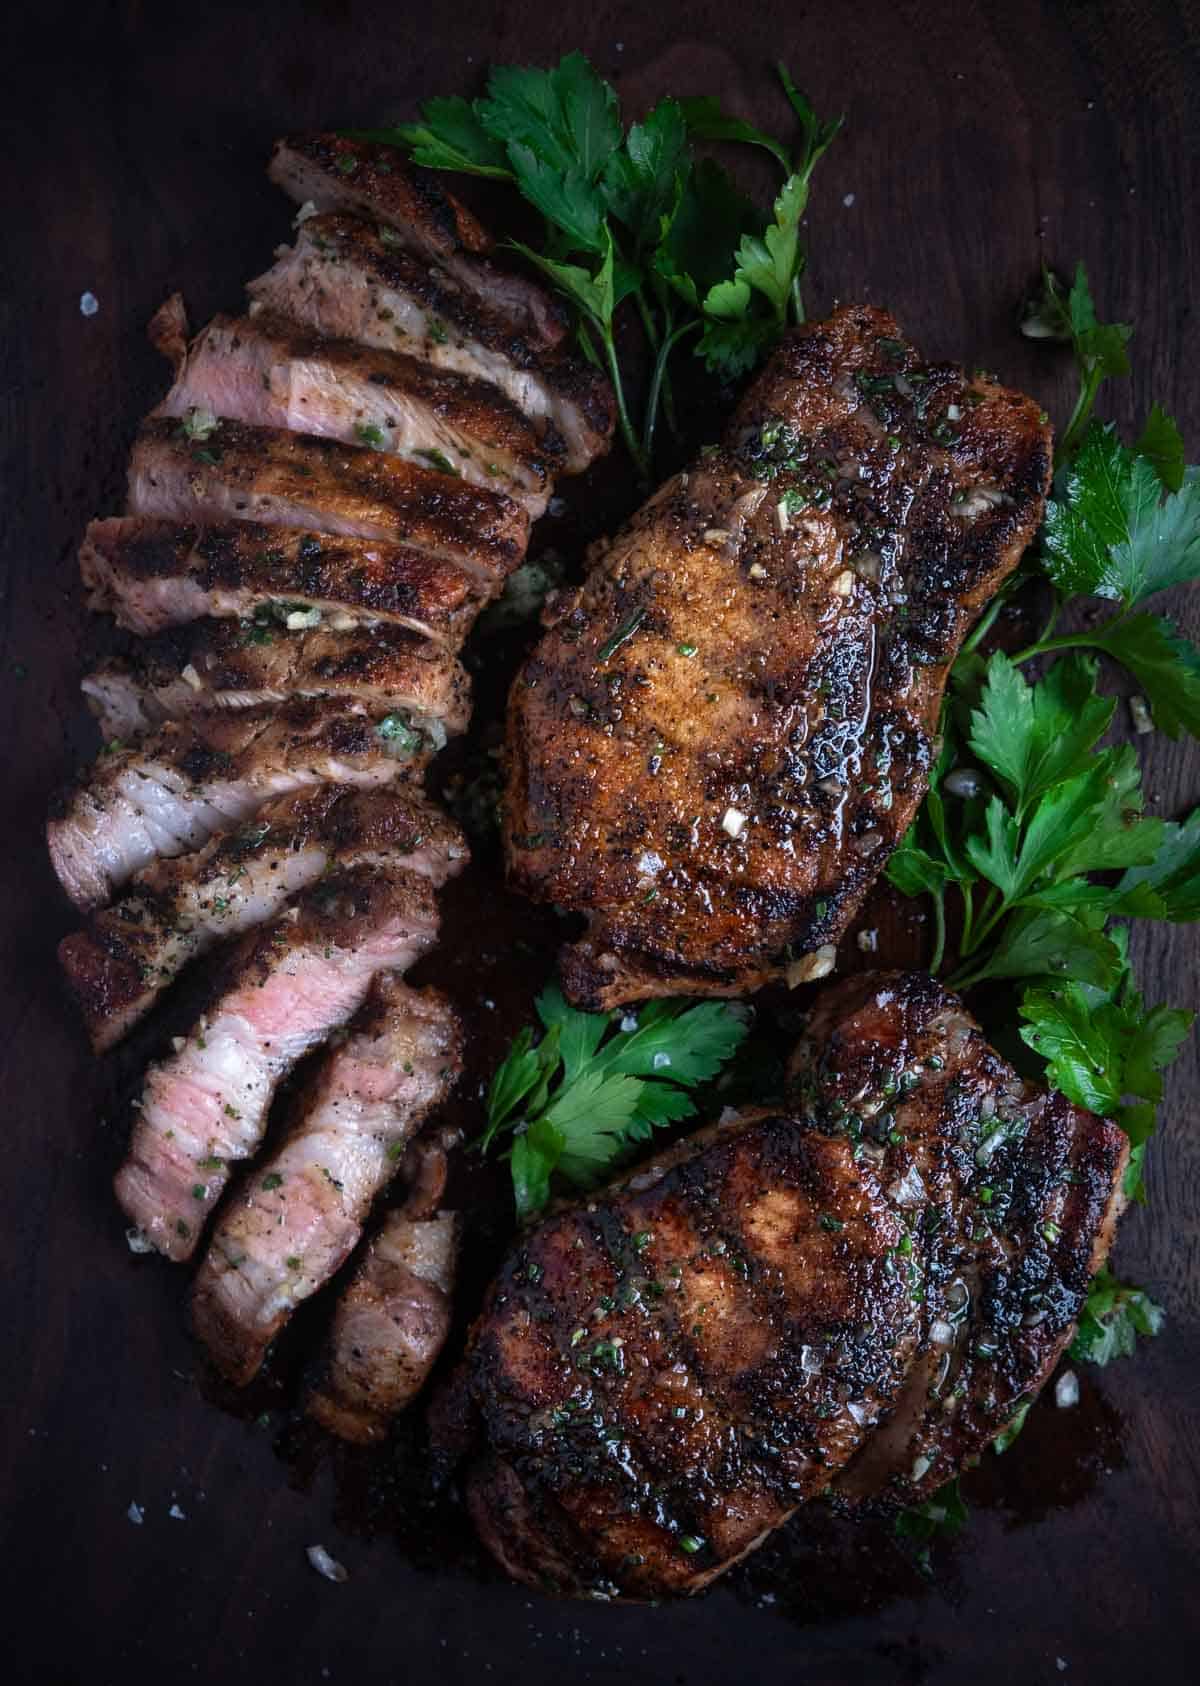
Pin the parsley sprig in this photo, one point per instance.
(577, 1102)
(632, 215)
(1035, 835)
(1114, 1316)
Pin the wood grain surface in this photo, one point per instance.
(980, 138)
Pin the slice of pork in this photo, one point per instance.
(298, 1215)
(177, 910)
(333, 173)
(194, 779)
(390, 1326)
(153, 574)
(378, 670)
(288, 987)
(273, 373)
(228, 470)
(353, 280)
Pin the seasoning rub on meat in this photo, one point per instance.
(298, 1215)
(728, 727)
(177, 910)
(861, 1290)
(333, 488)
(291, 983)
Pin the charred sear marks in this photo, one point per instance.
(728, 728)
(852, 1297)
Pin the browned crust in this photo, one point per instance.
(893, 1080)
(168, 331)
(610, 761)
(1028, 1245)
(367, 1382)
(272, 469)
(338, 240)
(382, 182)
(384, 665)
(244, 564)
(728, 1226)
(469, 408)
(110, 966)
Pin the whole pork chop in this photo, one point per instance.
(727, 729)
(851, 1297)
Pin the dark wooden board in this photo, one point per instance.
(979, 138)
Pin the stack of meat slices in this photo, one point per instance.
(335, 485)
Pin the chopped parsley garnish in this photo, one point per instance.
(1007, 1435)
(439, 460)
(1113, 1317)
(399, 736)
(940, 1516)
(621, 636)
(198, 424)
(576, 1102)
(371, 434)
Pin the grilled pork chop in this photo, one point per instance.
(193, 779)
(291, 983)
(153, 574)
(333, 173)
(664, 1373)
(1012, 1194)
(177, 910)
(381, 669)
(272, 373)
(354, 280)
(300, 1213)
(389, 1327)
(232, 471)
(727, 729)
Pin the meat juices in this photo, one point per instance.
(862, 1290)
(728, 727)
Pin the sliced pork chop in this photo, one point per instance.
(354, 280)
(152, 574)
(298, 1215)
(381, 669)
(390, 1326)
(1012, 1196)
(334, 173)
(861, 1292)
(194, 779)
(728, 728)
(291, 983)
(177, 910)
(270, 372)
(229, 470)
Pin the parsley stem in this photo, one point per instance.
(939, 916)
(648, 324)
(964, 941)
(1067, 641)
(1080, 415)
(986, 926)
(632, 444)
(984, 625)
(669, 343)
